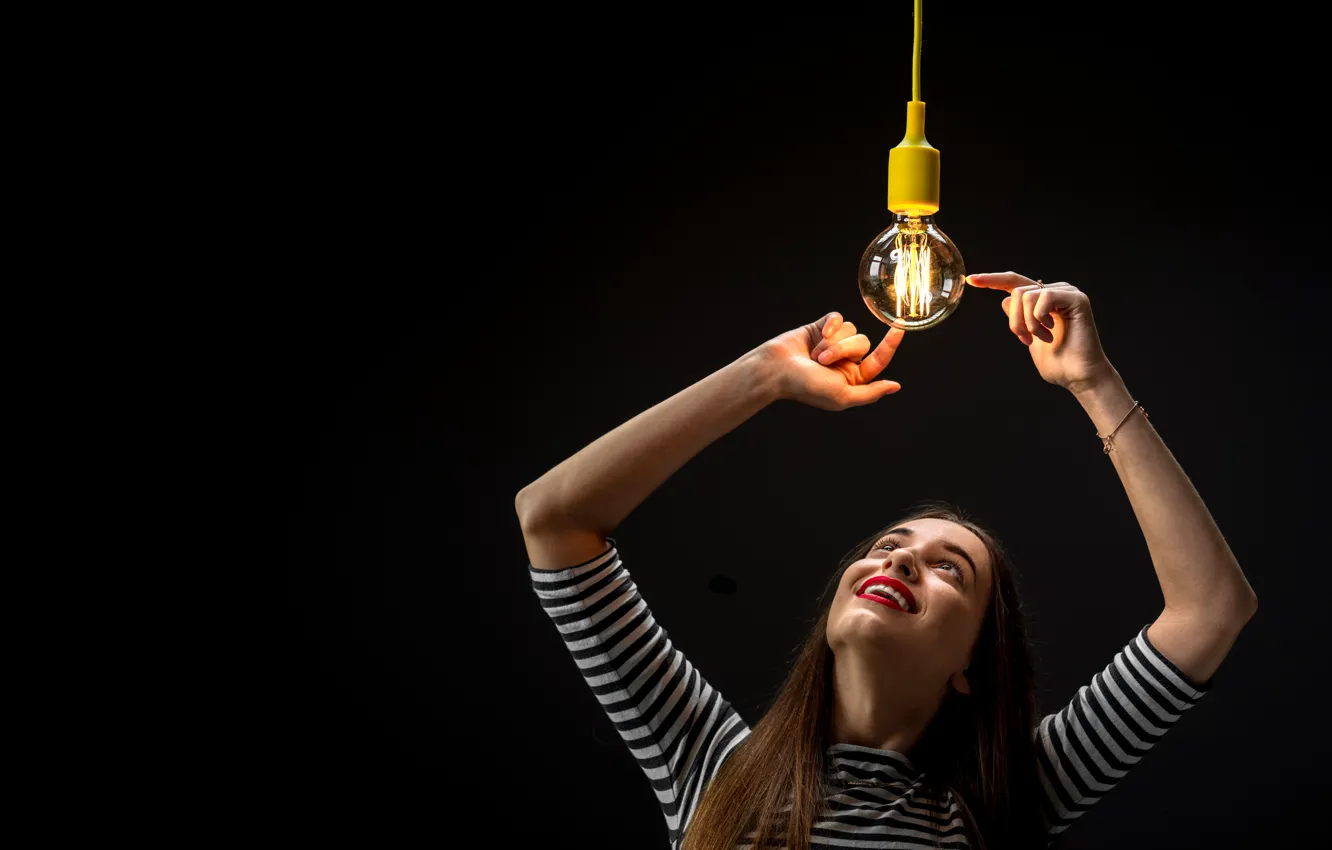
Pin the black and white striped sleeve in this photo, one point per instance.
(1085, 749)
(676, 725)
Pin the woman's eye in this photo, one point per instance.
(955, 567)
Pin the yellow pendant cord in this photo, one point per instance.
(915, 59)
(913, 166)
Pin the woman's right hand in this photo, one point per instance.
(824, 364)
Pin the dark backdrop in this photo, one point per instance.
(571, 217)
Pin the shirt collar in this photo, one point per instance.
(855, 763)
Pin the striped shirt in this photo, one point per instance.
(680, 729)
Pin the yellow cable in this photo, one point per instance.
(913, 166)
(915, 59)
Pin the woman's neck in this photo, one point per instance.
(875, 707)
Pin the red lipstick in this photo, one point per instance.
(884, 600)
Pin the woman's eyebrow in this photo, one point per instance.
(905, 532)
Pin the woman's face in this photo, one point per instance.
(942, 572)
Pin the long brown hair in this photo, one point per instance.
(979, 747)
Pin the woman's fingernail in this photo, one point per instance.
(823, 358)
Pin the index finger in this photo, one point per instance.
(872, 365)
(1007, 281)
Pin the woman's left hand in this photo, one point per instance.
(1055, 322)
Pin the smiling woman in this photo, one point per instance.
(932, 644)
(909, 715)
(942, 693)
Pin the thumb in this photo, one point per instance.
(870, 393)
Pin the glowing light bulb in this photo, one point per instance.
(911, 275)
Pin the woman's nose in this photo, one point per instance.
(904, 563)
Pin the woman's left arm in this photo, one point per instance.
(1207, 598)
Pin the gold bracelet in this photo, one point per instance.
(1106, 441)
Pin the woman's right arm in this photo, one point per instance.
(567, 513)
(677, 726)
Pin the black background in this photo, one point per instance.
(568, 217)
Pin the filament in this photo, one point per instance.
(911, 278)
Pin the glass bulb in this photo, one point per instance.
(911, 275)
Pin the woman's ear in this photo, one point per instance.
(960, 683)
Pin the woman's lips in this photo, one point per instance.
(882, 600)
(897, 587)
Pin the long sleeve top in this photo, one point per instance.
(681, 730)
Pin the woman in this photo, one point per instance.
(908, 718)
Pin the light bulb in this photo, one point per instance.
(911, 275)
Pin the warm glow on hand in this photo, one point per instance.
(828, 364)
(1055, 322)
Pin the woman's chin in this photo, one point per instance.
(869, 625)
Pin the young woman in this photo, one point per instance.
(908, 718)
